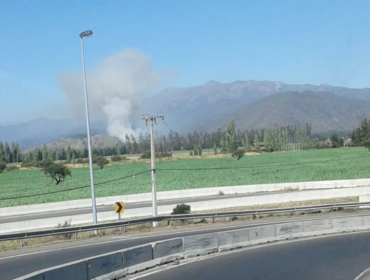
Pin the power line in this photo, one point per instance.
(73, 189)
(177, 169)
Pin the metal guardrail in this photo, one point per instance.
(77, 229)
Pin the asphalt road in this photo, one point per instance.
(15, 263)
(331, 258)
(110, 208)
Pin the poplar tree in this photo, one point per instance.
(230, 135)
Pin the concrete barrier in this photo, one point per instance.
(103, 265)
(168, 250)
(262, 234)
(200, 245)
(233, 239)
(350, 223)
(75, 271)
(289, 230)
(323, 225)
(137, 255)
(116, 265)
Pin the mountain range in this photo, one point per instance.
(208, 107)
(261, 104)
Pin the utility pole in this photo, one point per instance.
(152, 119)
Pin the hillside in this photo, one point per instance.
(186, 108)
(325, 112)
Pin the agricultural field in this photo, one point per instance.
(314, 165)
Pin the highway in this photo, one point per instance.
(110, 208)
(15, 263)
(340, 257)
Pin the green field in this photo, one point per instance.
(315, 165)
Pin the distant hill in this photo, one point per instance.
(43, 130)
(195, 108)
(325, 112)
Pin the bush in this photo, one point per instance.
(163, 155)
(146, 154)
(101, 161)
(44, 163)
(66, 224)
(29, 164)
(238, 154)
(2, 166)
(116, 158)
(181, 209)
(81, 161)
(11, 168)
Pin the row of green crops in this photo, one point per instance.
(315, 165)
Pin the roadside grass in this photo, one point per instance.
(190, 223)
(187, 173)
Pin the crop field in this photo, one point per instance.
(315, 165)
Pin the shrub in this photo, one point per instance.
(29, 164)
(81, 161)
(116, 158)
(2, 166)
(163, 155)
(181, 209)
(238, 154)
(146, 154)
(66, 223)
(101, 161)
(11, 168)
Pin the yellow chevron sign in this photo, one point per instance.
(118, 207)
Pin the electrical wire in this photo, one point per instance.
(76, 188)
(176, 169)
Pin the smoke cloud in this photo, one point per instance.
(116, 85)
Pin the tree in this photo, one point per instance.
(56, 171)
(2, 166)
(2, 152)
(214, 148)
(101, 161)
(246, 142)
(230, 135)
(256, 143)
(337, 141)
(238, 153)
(195, 150)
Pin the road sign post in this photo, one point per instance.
(118, 208)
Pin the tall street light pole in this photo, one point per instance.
(88, 33)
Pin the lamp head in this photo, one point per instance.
(86, 33)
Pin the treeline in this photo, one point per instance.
(10, 152)
(276, 139)
(289, 139)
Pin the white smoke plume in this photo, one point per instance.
(115, 88)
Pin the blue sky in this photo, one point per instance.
(189, 42)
